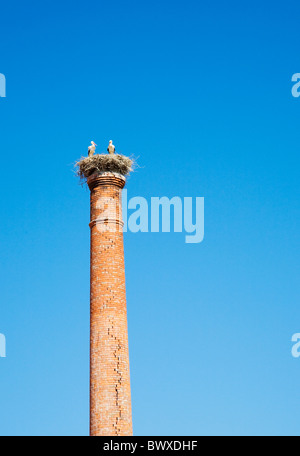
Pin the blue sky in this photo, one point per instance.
(201, 93)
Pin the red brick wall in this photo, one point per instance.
(110, 399)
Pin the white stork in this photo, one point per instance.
(92, 148)
(111, 148)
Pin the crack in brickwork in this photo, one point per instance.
(119, 376)
(118, 384)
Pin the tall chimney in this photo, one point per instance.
(110, 398)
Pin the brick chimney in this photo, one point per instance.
(110, 398)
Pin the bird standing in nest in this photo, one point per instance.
(92, 148)
(111, 148)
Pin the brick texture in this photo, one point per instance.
(110, 398)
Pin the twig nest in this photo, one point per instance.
(113, 163)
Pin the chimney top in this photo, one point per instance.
(105, 178)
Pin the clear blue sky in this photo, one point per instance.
(201, 92)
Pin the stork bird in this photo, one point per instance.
(92, 148)
(111, 148)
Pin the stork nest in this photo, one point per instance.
(113, 163)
